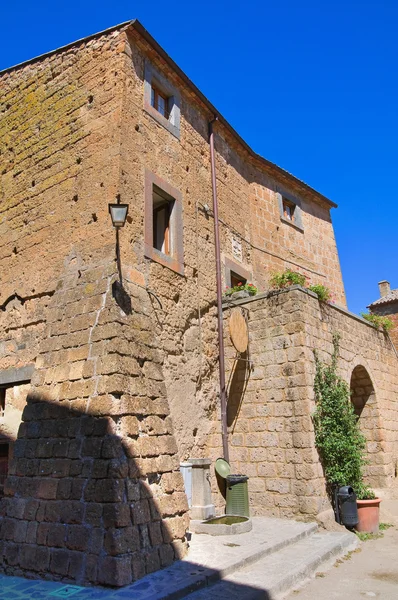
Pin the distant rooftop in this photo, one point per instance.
(387, 295)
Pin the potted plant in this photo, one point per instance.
(368, 509)
(241, 290)
(340, 443)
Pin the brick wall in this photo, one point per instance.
(270, 405)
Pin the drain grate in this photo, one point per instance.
(67, 591)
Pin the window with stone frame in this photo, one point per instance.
(235, 273)
(290, 209)
(163, 223)
(159, 101)
(162, 99)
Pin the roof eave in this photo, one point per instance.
(270, 166)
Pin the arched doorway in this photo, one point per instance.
(363, 397)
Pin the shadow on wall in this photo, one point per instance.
(237, 384)
(76, 505)
(77, 508)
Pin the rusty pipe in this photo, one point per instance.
(221, 359)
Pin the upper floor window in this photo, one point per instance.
(161, 99)
(163, 223)
(290, 209)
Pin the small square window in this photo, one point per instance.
(163, 223)
(288, 209)
(237, 279)
(235, 274)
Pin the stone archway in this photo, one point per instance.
(363, 397)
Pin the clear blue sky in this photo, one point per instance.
(311, 85)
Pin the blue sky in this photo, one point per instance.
(310, 85)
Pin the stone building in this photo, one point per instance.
(108, 343)
(387, 306)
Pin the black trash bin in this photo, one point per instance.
(347, 506)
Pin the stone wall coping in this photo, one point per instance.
(229, 303)
(200, 462)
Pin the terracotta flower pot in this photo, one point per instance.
(368, 515)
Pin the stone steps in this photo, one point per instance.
(276, 555)
(277, 573)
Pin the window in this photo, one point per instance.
(4, 448)
(161, 100)
(237, 279)
(162, 211)
(163, 223)
(290, 209)
(235, 273)
(2, 401)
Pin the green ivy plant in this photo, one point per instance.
(340, 443)
(379, 321)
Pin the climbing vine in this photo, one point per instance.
(340, 443)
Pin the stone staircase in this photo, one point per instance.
(265, 563)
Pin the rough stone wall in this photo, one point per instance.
(270, 406)
(248, 203)
(94, 492)
(73, 136)
(94, 482)
(59, 149)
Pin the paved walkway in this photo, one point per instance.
(370, 572)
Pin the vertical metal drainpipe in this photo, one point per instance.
(221, 360)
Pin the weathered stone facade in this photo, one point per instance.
(270, 404)
(125, 381)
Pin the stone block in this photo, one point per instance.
(115, 571)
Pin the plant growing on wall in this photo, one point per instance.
(321, 291)
(340, 443)
(379, 321)
(248, 287)
(281, 280)
(286, 279)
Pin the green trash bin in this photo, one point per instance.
(237, 496)
(237, 500)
